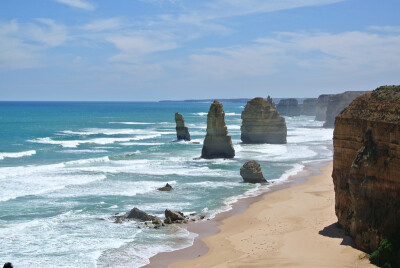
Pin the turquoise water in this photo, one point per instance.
(64, 166)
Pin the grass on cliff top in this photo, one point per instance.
(387, 92)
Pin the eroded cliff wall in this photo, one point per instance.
(366, 167)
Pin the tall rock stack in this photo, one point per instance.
(337, 103)
(217, 143)
(322, 105)
(182, 132)
(289, 107)
(261, 123)
(309, 106)
(366, 167)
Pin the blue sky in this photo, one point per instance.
(144, 50)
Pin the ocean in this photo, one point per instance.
(67, 167)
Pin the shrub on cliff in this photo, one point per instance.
(387, 255)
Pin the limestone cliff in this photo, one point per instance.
(337, 103)
(320, 109)
(366, 167)
(261, 123)
(289, 107)
(309, 107)
(182, 132)
(217, 143)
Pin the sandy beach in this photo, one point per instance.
(292, 227)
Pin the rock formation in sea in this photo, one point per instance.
(217, 143)
(322, 105)
(261, 123)
(182, 132)
(366, 167)
(173, 217)
(289, 107)
(337, 103)
(166, 188)
(271, 101)
(309, 107)
(137, 214)
(251, 172)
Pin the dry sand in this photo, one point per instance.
(292, 227)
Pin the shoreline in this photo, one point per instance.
(209, 228)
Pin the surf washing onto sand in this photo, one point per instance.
(66, 168)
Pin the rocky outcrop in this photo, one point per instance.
(309, 107)
(289, 107)
(217, 143)
(251, 172)
(270, 100)
(366, 167)
(182, 132)
(166, 188)
(261, 123)
(321, 107)
(137, 214)
(337, 103)
(173, 217)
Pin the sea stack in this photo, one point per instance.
(322, 105)
(251, 172)
(289, 107)
(217, 143)
(261, 123)
(366, 167)
(309, 107)
(337, 103)
(182, 132)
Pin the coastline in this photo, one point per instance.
(208, 244)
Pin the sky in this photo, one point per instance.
(150, 50)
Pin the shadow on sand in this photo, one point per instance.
(334, 231)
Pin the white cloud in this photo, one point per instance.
(78, 4)
(103, 25)
(47, 32)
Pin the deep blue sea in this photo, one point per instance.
(64, 166)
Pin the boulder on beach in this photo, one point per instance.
(262, 123)
(251, 172)
(182, 132)
(166, 188)
(217, 143)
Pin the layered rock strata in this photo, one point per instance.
(309, 107)
(366, 167)
(289, 107)
(261, 123)
(182, 132)
(217, 143)
(337, 103)
(251, 172)
(321, 107)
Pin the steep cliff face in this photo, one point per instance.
(322, 105)
(261, 123)
(309, 106)
(366, 167)
(182, 132)
(217, 143)
(289, 107)
(337, 103)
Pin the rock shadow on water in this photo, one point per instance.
(334, 231)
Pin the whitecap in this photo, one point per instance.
(17, 154)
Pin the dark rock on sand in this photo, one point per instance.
(251, 172)
(217, 143)
(261, 123)
(166, 188)
(173, 217)
(182, 132)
